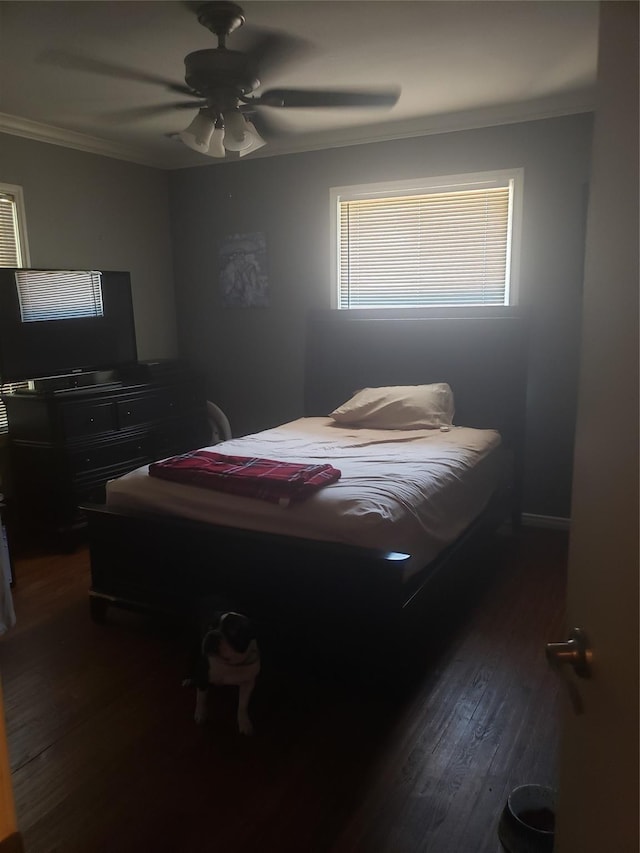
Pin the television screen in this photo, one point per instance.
(56, 322)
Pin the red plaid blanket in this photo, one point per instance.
(266, 479)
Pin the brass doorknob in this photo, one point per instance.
(575, 651)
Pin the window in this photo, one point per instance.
(13, 235)
(438, 242)
(14, 252)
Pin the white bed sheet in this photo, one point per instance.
(412, 491)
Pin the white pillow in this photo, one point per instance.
(398, 407)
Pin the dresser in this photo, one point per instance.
(65, 444)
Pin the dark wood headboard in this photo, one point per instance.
(483, 357)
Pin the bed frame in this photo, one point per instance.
(141, 560)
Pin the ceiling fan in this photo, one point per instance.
(224, 80)
(220, 83)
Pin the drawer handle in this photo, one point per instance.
(91, 420)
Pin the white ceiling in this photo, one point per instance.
(459, 64)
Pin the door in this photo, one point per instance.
(598, 788)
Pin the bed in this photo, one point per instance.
(162, 545)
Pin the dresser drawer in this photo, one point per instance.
(159, 405)
(127, 454)
(137, 410)
(79, 421)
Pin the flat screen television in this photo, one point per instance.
(60, 322)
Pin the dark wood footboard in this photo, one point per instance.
(163, 563)
(344, 605)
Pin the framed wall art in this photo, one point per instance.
(244, 281)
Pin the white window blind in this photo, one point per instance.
(10, 248)
(13, 253)
(59, 295)
(437, 247)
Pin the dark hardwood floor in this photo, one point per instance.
(106, 757)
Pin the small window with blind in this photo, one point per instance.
(440, 242)
(13, 233)
(14, 252)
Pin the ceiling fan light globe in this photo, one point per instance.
(251, 140)
(235, 131)
(216, 148)
(198, 135)
(232, 144)
(256, 141)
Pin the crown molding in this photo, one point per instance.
(572, 103)
(28, 129)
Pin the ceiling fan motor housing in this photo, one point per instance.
(215, 70)
(221, 17)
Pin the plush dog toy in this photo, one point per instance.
(228, 655)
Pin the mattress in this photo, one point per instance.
(413, 491)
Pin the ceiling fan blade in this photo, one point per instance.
(140, 113)
(271, 51)
(328, 98)
(79, 62)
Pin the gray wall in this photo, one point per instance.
(87, 210)
(84, 210)
(253, 357)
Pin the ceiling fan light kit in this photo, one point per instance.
(215, 135)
